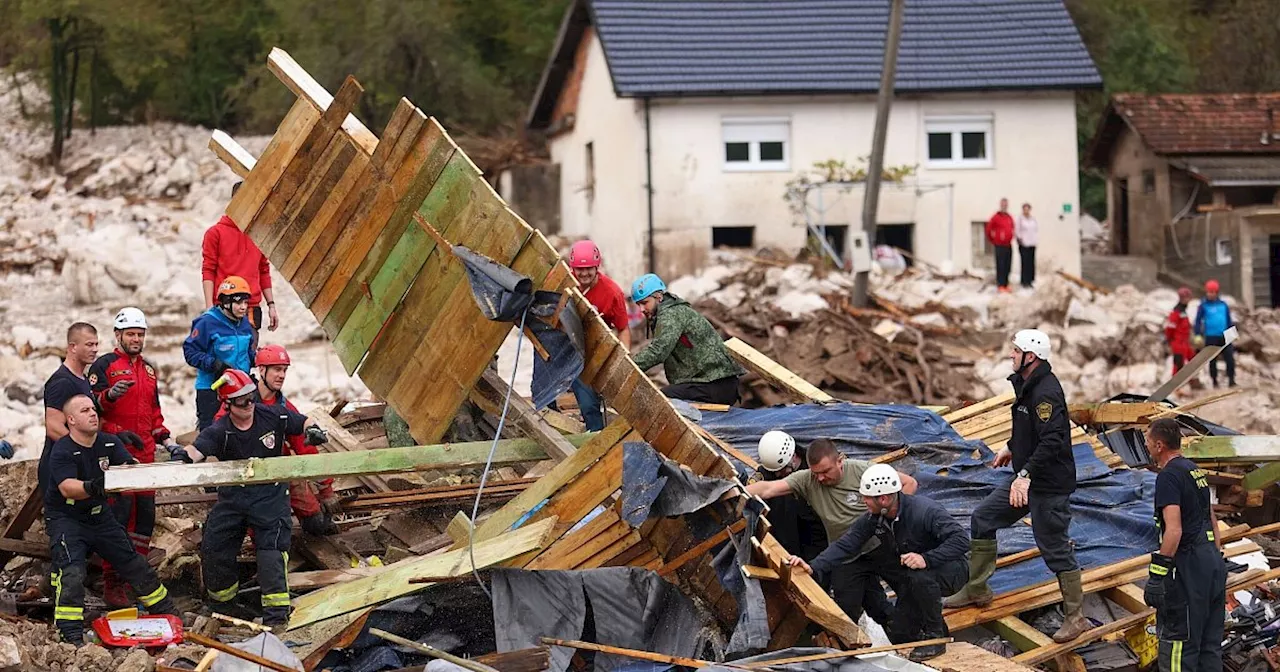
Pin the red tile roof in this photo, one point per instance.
(1203, 123)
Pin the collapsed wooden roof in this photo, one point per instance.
(361, 226)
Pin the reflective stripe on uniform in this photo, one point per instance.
(275, 599)
(1209, 533)
(1175, 657)
(225, 595)
(1159, 570)
(155, 596)
(68, 614)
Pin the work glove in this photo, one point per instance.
(220, 367)
(6, 450)
(96, 487)
(130, 439)
(178, 453)
(315, 436)
(119, 389)
(320, 525)
(328, 499)
(1157, 573)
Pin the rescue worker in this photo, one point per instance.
(1040, 452)
(1177, 331)
(68, 381)
(1187, 579)
(314, 514)
(831, 486)
(607, 298)
(80, 522)
(221, 339)
(795, 524)
(1213, 318)
(920, 555)
(227, 251)
(125, 388)
(249, 429)
(692, 354)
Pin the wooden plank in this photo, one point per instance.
(341, 639)
(303, 85)
(495, 390)
(237, 158)
(31, 509)
(702, 548)
(631, 540)
(722, 445)
(1115, 412)
(563, 423)
(299, 216)
(162, 476)
(1246, 449)
(775, 373)
(759, 573)
(210, 643)
(1053, 650)
(965, 657)
(979, 408)
(393, 580)
(1191, 368)
(431, 651)
(805, 593)
(257, 186)
(628, 653)
(1020, 633)
(577, 547)
(323, 225)
(833, 655)
(1128, 596)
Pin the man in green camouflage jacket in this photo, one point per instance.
(697, 364)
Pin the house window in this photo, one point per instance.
(756, 143)
(959, 142)
(733, 236)
(1148, 181)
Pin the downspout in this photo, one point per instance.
(648, 183)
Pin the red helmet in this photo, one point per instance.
(1184, 294)
(271, 355)
(584, 254)
(232, 384)
(1211, 286)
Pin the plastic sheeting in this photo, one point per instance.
(1112, 511)
(1131, 445)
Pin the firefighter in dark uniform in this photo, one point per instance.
(1040, 453)
(1187, 580)
(795, 524)
(249, 430)
(79, 521)
(920, 554)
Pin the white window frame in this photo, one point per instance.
(955, 125)
(753, 131)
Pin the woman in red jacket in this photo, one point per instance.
(1177, 331)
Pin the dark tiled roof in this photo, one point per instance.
(1226, 123)
(727, 47)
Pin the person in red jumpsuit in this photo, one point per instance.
(1177, 331)
(124, 386)
(314, 512)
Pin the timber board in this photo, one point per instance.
(280, 150)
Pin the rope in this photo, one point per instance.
(488, 463)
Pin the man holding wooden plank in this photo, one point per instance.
(692, 354)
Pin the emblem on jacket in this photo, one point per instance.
(104, 463)
(1044, 409)
(268, 440)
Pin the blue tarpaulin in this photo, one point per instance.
(1112, 512)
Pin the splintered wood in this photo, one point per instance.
(362, 226)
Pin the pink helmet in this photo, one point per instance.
(584, 254)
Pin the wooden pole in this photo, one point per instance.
(629, 653)
(432, 651)
(845, 654)
(210, 643)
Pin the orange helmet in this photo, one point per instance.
(1211, 286)
(232, 384)
(271, 355)
(233, 285)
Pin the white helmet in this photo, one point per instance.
(1033, 341)
(776, 449)
(130, 318)
(880, 479)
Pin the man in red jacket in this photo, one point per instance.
(228, 251)
(999, 231)
(125, 388)
(1177, 331)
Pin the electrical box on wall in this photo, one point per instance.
(859, 252)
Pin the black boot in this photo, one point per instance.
(923, 653)
(319, 525)
(72, 632)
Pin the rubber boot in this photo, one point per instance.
(923, 653)
(1074, 623)
(982, 564)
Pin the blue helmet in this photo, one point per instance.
(645, 286)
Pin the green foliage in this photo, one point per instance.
(836, 171)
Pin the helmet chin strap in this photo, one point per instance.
(1022, 367)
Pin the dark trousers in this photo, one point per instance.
(136, 513)
(71, 539)
(206, 407)
(269, 518)
(856, 589)
(722, 391)
(590, 405)
(1028, 255)
(1004, 261)
(917, 614)
(1050, 524)
(1228, 355)
(1190, 624)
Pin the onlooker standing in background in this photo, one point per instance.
(1177, 331)
(1027, 230)
(999, 232)
(1213, 318)
(227, 251)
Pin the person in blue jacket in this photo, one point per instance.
(221, 338)
(1213, 318)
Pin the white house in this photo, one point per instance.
(678, 125)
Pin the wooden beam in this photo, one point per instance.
(1128, 596)
(775, 373)
(22, 521)
(726, 447)
(210, 643)
(759, 573)
(493, 389)
(1191, 368)
(832, 655)
(30, 549)
(1261, 477)
(628, 653)
(237, 158)
(166, 475)
(805, 593)
(344, 637)
(1028, 639)
(1052, 650)
(702, 548)
(431, 651)
(393, 580)
(1115, 413)
(1248, 449)
(303, 85)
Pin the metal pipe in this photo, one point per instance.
(648, 184)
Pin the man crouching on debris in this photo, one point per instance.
(692, 354)
(920, 555)
(1187, 580)
(79, 521)
(249, 430)
(1040, 452)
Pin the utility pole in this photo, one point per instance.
(871, 199)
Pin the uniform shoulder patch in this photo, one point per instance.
(1044, 409)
